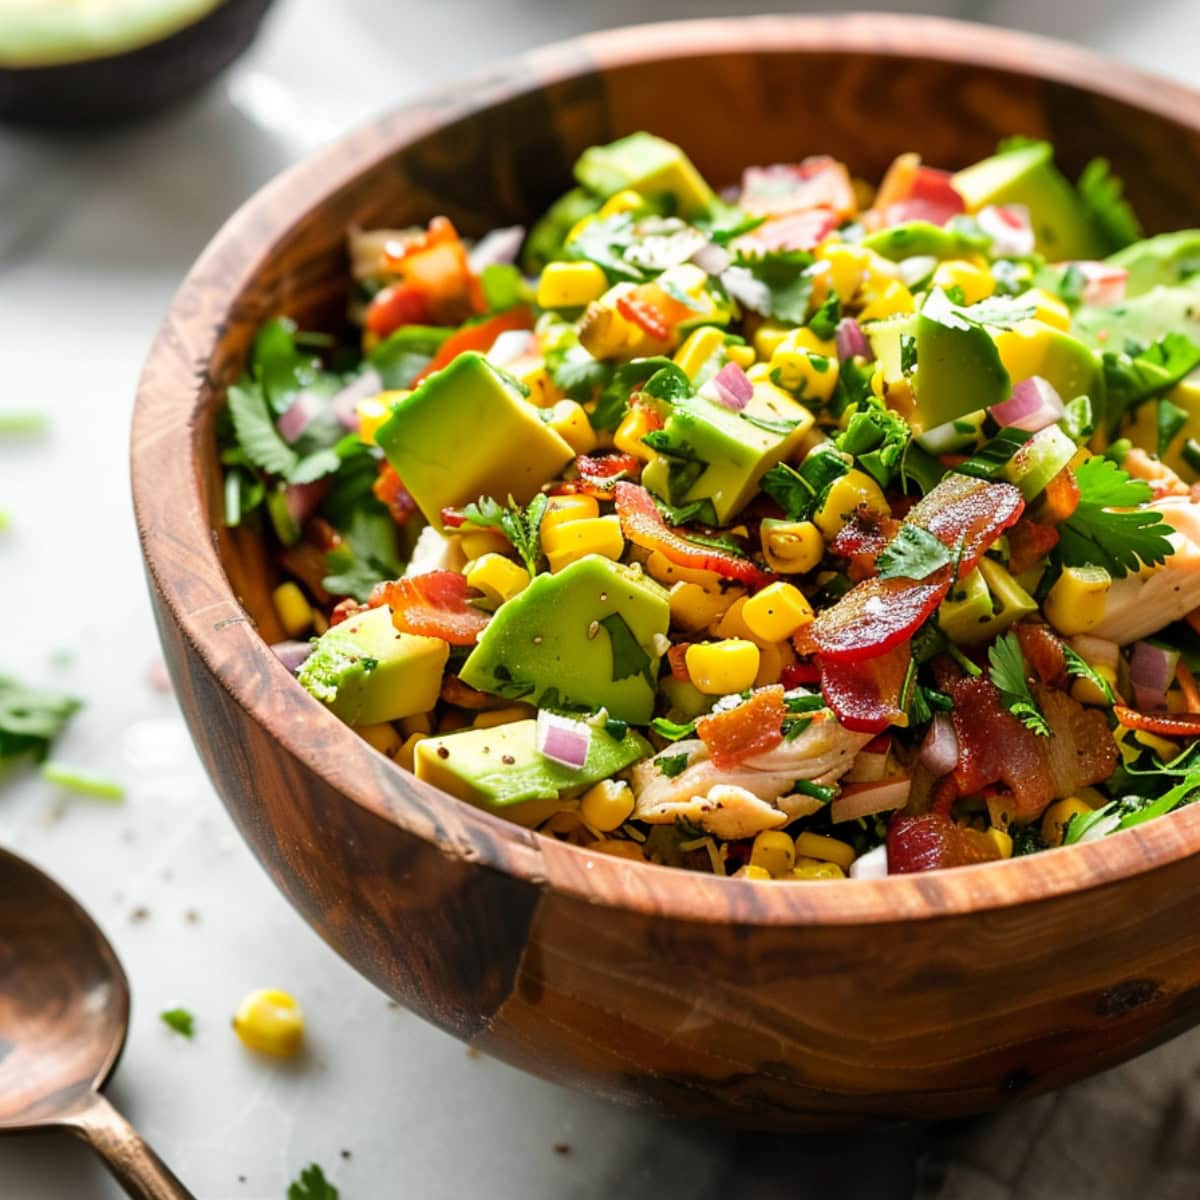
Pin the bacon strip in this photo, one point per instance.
(865, 696)
(754, 727)
(932, 841)
(433, 605)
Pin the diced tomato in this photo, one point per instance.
(479, 336)
(932, 841)
(452, 518)
(753, 727)
(865, 695)
(435, 281)
(435, 605)
(793, 231)
(817, 182)
(642, 524)
(798, 674)
(598, 475)
(911, 191)
(1029, 541)
(645, 316)
(1172, 725)
(390, 491)
(396, 306)
(1060, 499)
(677, 661)
(1043, 651)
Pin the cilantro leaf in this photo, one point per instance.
(180, 1020)
(256, 432)
(672, 764)
(799, 491)
(404, 354)
(825, 320)
(878, 438)
(628, 657)
(627, 379)
(1102, 194)
(522, 526)
(914, 553)
(1117, 541)
(367, 554)
(312, 1185)
(701, 511)
(605, 242)
(31, 718)
(1080, 667)
(777, 284)
(1007, 671)
(1130, 379)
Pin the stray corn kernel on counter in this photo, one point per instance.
(806, 530)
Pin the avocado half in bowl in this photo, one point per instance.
(87, 62)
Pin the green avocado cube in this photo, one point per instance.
(468, 432)
(1166, 260)
(501, 769)
(589, 636)
(365, 672)
(1144, 319)
(923, 239)
(647, 165)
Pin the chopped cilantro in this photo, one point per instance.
(522, 526)
(256, 432)
(404, 354)
(701, 511)
(605, 242)
(777, 284)
(367, 553)
(616, 729)
(818, 791)
(1084, 670)
(312, 1185)
(180, 1020)
(627, 379)
(1112, 216)
(1140, 373)
(1008, 673)
(914, 553)
(825, 320)
(628, 657)
(672, 764)
(1071, 285)
(672, 731)
(908, 353)
(799, 492)
(31, 718)
(878, 438)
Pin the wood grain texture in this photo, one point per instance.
(773, 1006)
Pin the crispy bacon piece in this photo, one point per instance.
(1043, 651)
(1060, 499)
(862, 539)
(1173, 725)
(434, 605)
(598, 475)
(969, 512)
(454, 691)
(390, 491)
(1029, 541)
(932, 841)
(865, 696)
(818, 182)
(343, 610)
(396, 306)
(754, 727)
(677, 661)
(642, 524)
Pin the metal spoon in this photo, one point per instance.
(64, 1014)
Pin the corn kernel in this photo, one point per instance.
(607, 805)
(417, 723)
(405, 755)
(817, 870)
(824, 849)
(771, 661)
(700, 346)
(626, 200)
(776, 612)
(490, 718)
(1048, 308)
(1086, 692)
(845, 495)
(497, 577)
(892, 299)
(733, 625)
(740, 354)
(774, 852)
(694, 608)
(976, 282)
(659, 567)
(561, 509)
(1055, 818)
(847, 268)
(573, 540)
(791, 547)
(1002, 840)
(750, 871)
(635, 424)
(270, 1021)
(999, 811)
(619, 849)
(383, 737)
(294, 611)
(805, 373)
(543, 393)
(1077, 600)
(768, 336)
(721, 668)
(1164, 749)
(372, 411)
(476, 543)
(570, 284)
(571, 423)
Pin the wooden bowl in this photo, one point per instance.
(772, 1006)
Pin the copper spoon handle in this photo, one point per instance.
(133, 1164)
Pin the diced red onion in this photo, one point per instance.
(500, 247)
(298, 416)
(916, 269)
(711, 258)
(292, 654)
(730, 387)
(563, 740)
(1010, 228)
(939, 748)
(866, 799)
(1151, 669)
(302, 499)
(1033, 405)
(1104, 285)
(851, 341)
(872, 865)
(511, 345)
(1096, 652)
(345, 402)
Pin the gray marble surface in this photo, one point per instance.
(94, 237)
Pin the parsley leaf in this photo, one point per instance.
(312, 1185)
(628, 657)
(914, 553)
(1102, 194)
(777, 284)
(1117, 541)
(1080, 667)
(522, 526)
(180, 1020)
(31, 718)
(672, 764)
(1007, 672)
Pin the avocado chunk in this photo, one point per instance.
(468, 432)
(706, 451)
(1034, 348)
(501, 769)
(924, 239)
(586, 637)
(1027, 175)
(1144, 319)
(647, 165)
(1163, 261)
(983, 605)
(365, 672)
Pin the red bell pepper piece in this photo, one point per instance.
(396, 306)
(479, 336)
(390, 491)
(1166, 724)
(932, 841)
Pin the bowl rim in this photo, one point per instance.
(183, 565)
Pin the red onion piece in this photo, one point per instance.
(1104, 285)
(852, 342)
(1034, 404)
(345, 402)
(298, 416)
(729, 387)
(939, 749)
(1096, 652)
(1151, 669)
(866, 799)
(712, 258)
(292, 654)
(562, 740)
(1010, 228)
(498, 248)
(872, 865)
(302, 499)
(511, 345)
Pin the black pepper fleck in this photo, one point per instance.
(507, 760)
(442, 752)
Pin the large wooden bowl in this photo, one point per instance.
(778, 1005)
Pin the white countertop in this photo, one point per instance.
(94, 238)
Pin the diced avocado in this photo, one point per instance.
(1039, 460)
(706, 451)
(960, 436)
(983, 604)
(1166, 260)
(545, 240)
(1027, 175)
(1144, 319)
(648, 165)
(500, 769)
(1034, 348)
(924, 239)
(468, 432)
(685, 699)
(367, 673)
(587, 636)
(887, 345)
(1141, 427)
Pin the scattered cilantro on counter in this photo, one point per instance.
(180, 1020)
(31, 718)
(312, 1185)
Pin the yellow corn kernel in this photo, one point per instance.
(976, 282)
(768, 336)
(635, 424)
(771, 661)
(607, 805)
(293, 610)
(750, 871)
(623, 201)
(571, 423)
(1086, 692)
(417, 723)
(892, 299)
(604, 333)
(1048, 309)
(774, 852)
(844, 497)
(479, 542)
(824, 849)
(567, 543)
(791, 547)
(811, 869)
(619, 849)
(570, 284)
(542, 391)
(1076, 602)
(383, 737)
(740, 354)
(491, 718)
(497, 577)
(733, 625)
(721, 668)
(659, 567)
(759, 373)
(805, 373)
(270, 1021)
(562, 509)
(694, 607)
(1003, 841)
(404, 756)
(372, 411)
(847, 267)
(776, 612)
(700, 346)
(1164, 749)
(1055, 818)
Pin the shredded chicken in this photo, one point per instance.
(433, 552)
(1158, 475)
